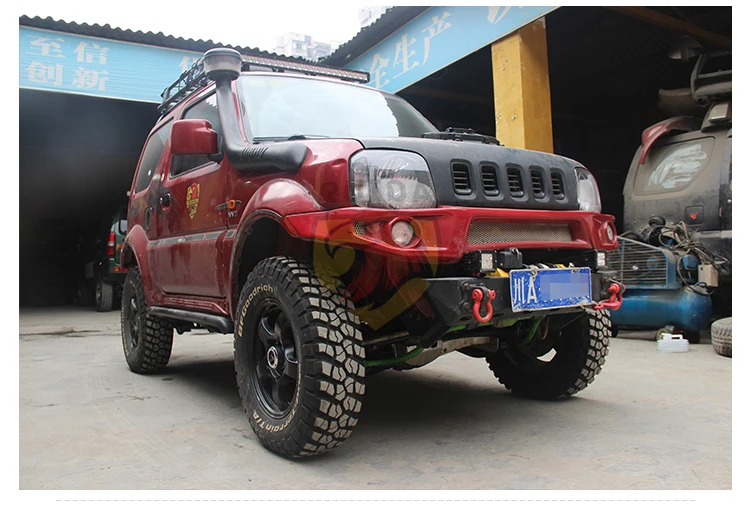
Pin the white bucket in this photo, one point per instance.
(672, 343)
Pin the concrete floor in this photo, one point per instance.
(649, 421)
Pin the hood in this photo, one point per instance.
(475, 174)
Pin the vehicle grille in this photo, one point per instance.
(537, 183)
(638, 265)
(461, 178)
(359, 228)
(558, 189)
(490, 184)
(515, 183)
(484, 233)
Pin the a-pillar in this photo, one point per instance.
(523, 116)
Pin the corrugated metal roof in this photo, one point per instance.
(139, 37)
(390, 21)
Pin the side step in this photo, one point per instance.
(207, 320)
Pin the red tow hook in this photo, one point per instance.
(477, 295)
(615, 298)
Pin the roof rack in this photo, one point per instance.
(195, 77)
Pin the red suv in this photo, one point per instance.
(337, 233)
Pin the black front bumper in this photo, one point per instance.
(448, 302)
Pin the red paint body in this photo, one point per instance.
(189, 249)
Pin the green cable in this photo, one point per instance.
(532, 332)
(395, 360)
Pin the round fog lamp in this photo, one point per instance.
(402, 233)
(610, 232)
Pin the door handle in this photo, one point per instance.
(165, 201)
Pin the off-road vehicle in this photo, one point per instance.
(336, 233)
(104, 271)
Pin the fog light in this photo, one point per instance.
(610, 232)
(601, 259)
(402, 233)
(487, 262)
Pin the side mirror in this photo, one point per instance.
(194, 137)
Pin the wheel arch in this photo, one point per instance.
(261, 236)
(133, 255)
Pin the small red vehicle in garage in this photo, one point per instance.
(336, 233)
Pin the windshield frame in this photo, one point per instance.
(247, 127)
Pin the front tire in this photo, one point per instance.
(580, 349)
(299, 358)
(146, 340)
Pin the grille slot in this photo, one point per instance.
(638, 265)
(558, 189)
(515, 183)
(490, 184)
(484, 233)
(537, 183)
(461, 178)
(359, 228)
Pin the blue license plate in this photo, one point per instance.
(542, 289)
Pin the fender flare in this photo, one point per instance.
(134, 251)
(275, 199)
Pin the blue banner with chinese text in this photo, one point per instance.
(436, 38)
(68, 63)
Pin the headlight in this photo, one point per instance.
(588, 191)
(391, 179)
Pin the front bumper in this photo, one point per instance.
(443, 234)
(447, 303)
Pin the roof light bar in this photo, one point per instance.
(195, 77)
(352, 75)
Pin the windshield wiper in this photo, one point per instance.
(293, 137)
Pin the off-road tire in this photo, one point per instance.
(721, 336)
(154, 344)
(328, 341)
(580, 351)
(104, 296)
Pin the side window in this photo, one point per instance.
(204, 110)
(673, 167)
(151, 155)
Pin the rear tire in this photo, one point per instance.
(580, 351)
(721, 336)
(146, 340)
(299, 358)
(104, 296)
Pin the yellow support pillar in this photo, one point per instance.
(523, 115)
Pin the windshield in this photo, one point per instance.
(278, 107)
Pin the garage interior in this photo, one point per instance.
(78, 153)
(77, 159)
(605, 72)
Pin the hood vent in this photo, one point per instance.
(515, 183)
(461, 178)
(490, 184)
(537, 183)
(558, 189)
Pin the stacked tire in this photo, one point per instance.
(721, 336)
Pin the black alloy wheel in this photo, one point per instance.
(274, 357)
